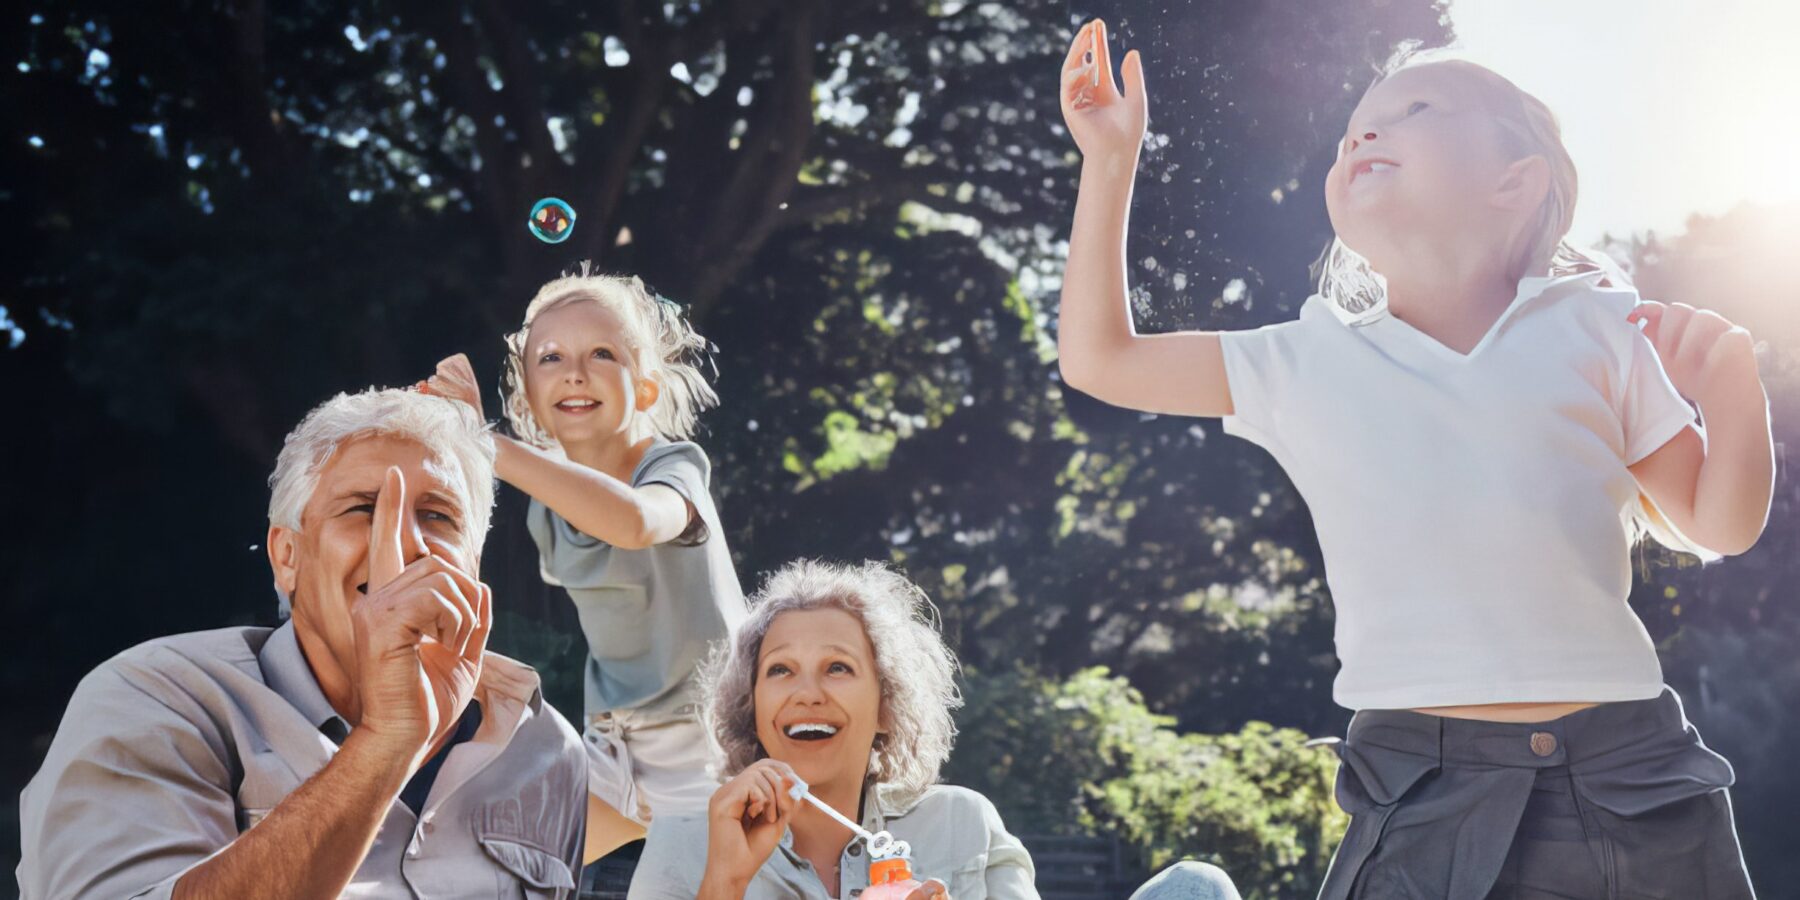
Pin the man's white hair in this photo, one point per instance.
(449, 430)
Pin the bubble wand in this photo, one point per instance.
(881, 843)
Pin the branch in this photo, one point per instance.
(808, 204)
(766, 175)
(233, 401)
(258, 128)
(621, 150)
(521, 88)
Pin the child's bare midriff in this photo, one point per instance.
(1508, 712)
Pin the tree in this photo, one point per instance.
(1085, 756)
(1726, 631)
(226, 212)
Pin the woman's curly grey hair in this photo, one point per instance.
(917, 671)
(664, 347)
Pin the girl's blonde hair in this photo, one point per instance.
(1527, 127)
(916, 669)
(663, 347)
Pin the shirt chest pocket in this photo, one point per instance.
(539, 874)
(265, 782)
(969, 880)
(615, 619)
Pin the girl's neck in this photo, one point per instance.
(616, 456)
(1451, 294)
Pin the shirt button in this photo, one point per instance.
(1543, 743)
(855, 849)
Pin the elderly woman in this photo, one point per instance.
(836, 680)
(839, 681)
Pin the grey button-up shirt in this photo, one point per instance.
(956, 836)
(173, 748)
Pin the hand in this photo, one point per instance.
(455, 379)
(420, 635)
(746, 818)
(1101, 119)
(932, 889)
(1707, 358)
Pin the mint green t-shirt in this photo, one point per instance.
(649, 615)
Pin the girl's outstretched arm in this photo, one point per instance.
(1716, 492)
(1100, 351)
(597, 504)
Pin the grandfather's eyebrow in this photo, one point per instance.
(446, 499)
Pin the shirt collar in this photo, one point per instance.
(510, 690)
(287, 673)
(880, 802)
(1530, 288)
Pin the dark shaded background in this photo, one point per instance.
(218, 214)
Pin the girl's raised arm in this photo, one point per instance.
(1100, 351)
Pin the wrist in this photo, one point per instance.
(391, 752)
(1112, 166)
(1735, 405)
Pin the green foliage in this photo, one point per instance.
(1086, 756)
(257, 205)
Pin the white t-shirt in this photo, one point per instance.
(1474, 511)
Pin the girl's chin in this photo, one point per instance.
(584, 431)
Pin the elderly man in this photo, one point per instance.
(370, 746)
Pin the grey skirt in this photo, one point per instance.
(1618, 802)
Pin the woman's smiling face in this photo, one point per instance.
(818, 695)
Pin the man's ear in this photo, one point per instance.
(1523, 184)
(284, 559)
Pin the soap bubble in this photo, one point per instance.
(552, 220)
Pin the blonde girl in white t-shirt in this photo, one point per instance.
(1481, 429)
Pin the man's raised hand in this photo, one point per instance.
(420, 631)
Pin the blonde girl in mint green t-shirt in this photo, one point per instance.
(602, 391)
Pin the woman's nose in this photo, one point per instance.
(807, 690)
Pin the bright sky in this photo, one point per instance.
(1669, 107)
